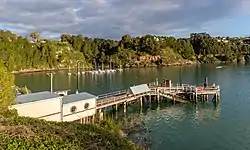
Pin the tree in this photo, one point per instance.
(7, 92)
(35, 36)
(18, 53)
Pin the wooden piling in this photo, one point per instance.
(93, 119)
(84, 121)
(158, 95)
(124, 107)
(173, 97)
(116, 107)
(141, 101)
(196, 97)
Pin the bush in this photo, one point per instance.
(28, 133)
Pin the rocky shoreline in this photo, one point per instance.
(25, 71)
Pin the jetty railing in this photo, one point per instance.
(175, 90)
(110, 100)
(118, 99)
(111, 94)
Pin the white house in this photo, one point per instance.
(43, 105)
(81, 106)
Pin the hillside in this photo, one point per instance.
(19, 53)
(26, 133)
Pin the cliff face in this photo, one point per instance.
(149, 58)
(165, 60)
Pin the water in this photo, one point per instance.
(182, 126)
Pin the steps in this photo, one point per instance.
(177, 97)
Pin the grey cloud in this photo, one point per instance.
(113, 18)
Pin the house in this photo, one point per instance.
(42, 105)
(79, 107)
(54, 107)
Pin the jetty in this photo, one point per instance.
(85, 107)
(176, 93)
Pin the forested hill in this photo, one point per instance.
(21, 53)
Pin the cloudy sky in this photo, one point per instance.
(114, 18)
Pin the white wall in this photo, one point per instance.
(81, 112)
(50, 109)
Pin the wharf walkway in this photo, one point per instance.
(176, 93)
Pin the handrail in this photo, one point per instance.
(112, 94)
(122, 95)
(117, 98)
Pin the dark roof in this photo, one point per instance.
(77, 97)
(35, 97)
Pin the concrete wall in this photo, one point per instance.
(49, 109)
(80, 112)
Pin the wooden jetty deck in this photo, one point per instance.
(176, 93)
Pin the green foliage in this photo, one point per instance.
(20, 53)
(6, 88)
(28, 133)
(110, 125)
(25, 90)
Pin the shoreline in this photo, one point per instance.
(26, 71)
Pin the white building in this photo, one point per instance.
(43, 105)
(79, 107)
(53, 107)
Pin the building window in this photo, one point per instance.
(73, 109)
(86, 106)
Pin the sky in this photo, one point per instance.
(114, 18)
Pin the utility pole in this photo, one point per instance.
(51, 75)
(77, 79)
(180, 75)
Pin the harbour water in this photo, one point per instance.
(182, 126)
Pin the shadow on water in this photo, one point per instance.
(141, 124)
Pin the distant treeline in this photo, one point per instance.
(19, 53)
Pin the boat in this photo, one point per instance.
(219, 67)
(101, 71)
(107, 70)
(112, 70)
(120, 67)
(111, 67)
(69, 73)
(96, 72)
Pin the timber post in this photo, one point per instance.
(150, 98)
(116, 110)
(141, 101)
(158, 95)
(124, 107)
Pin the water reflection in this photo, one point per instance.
(183, 126)
(167, 120)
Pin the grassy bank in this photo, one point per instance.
(27, 133)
